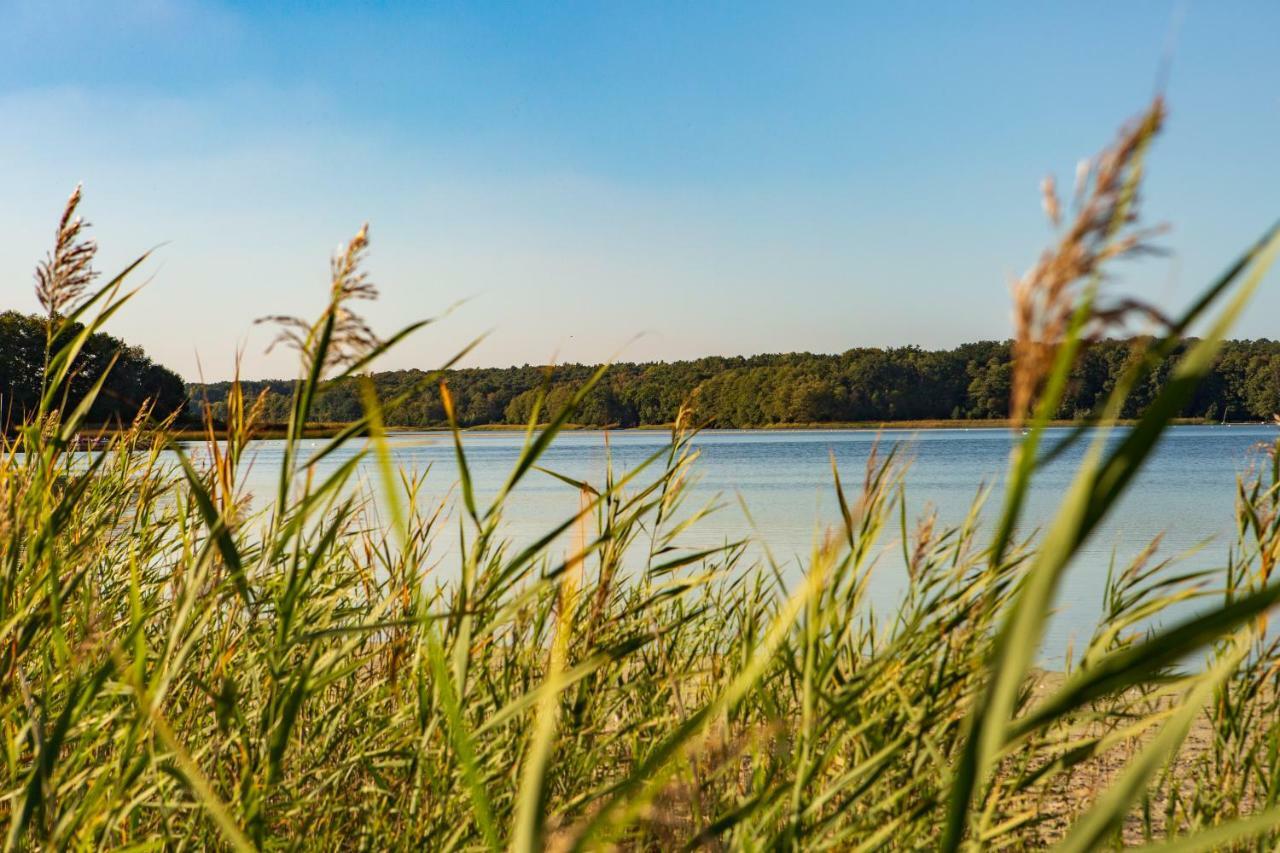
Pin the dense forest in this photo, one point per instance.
(906, 383)
(134, 378)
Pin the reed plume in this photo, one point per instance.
(61, 278)
(349, 336)
(1062, 285)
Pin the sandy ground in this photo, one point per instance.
(1071, 794)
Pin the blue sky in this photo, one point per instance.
(717, 178)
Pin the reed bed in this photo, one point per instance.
(186, 665)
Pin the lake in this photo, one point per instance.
(1186, 491)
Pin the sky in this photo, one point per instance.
(617, 180)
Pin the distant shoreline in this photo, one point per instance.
(276, 431)
(958, 423)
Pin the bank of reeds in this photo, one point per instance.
(186, 666)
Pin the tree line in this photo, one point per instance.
(971, 381)
(134, 379)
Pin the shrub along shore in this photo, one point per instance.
(276, 432)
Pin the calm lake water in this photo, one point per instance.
(1186, 491)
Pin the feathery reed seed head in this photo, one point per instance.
(61, 278)
(350, 338)
(1104, 227)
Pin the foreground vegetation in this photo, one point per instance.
(187, 665)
